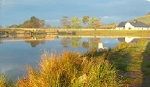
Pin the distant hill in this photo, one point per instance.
(148, 13)
(145, 19)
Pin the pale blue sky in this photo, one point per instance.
(17, 11)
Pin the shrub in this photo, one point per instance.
(71, 70)
(2, 81)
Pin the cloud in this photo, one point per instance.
(111, 10)
(107, 17)
(148, 0)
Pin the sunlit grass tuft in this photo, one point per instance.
(71, 70)
(2, 81)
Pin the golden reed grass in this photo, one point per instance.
(71, 70)
(2, 81)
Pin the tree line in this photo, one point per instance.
(84, 22)
(33, 22)
(66, 22)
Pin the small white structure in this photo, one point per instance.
(100, 46)
(134, 25)
(129, 26)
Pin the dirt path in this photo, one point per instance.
(146, 71)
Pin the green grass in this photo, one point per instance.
(144, 19)
(107, 32)
(4, 82)
(85, 32)
(129, 61)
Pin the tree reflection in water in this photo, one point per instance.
(1, 41)
(65, 42)
(35, 43)
(91, 44)
(76, 42)
(85, 44)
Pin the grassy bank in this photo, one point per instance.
(21, 32)
(123, 66)
(92, 32)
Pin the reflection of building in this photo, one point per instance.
(100, 45)
(128, 39)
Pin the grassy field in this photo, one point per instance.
(144, 19)
(123, 33)
(81, 32)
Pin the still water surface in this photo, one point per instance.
(16, 55)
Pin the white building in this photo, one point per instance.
(134, 25)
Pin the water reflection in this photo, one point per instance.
(92, 43)
(65, 42)
(35, 43)
(87, 43)
(100, 45)
(129, 39)
(1, 41)
(16, 53)
(75, 42)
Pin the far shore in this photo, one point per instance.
(76, 32)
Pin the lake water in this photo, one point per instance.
(15, 55)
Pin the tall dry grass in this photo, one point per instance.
(2, 81)
(71, 70)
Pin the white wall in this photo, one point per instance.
(128, 26)
(119, 28)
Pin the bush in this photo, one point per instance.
(2, 81)
(71, 70)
